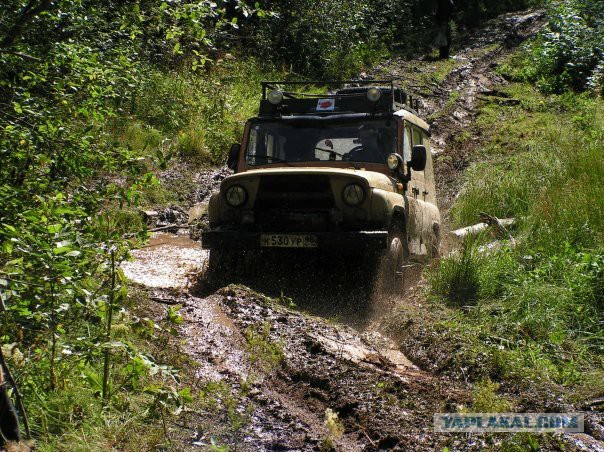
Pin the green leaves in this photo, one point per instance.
(568, 54)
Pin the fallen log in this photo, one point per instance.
(169, 226)
(469, 231)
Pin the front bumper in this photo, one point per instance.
(241, 240)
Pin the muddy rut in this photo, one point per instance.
(305, 366)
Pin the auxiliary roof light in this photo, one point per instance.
(374, 94)
(275, 97)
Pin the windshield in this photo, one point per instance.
(312, 141)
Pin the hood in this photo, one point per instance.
(371, 178)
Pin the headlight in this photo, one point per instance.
(275, 97)
(236, 196)
(374, 94)
(353, 194)
(394, 161)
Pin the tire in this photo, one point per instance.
(230, 266)
(218, 268)
(391, 278)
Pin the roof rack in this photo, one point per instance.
(347, 96)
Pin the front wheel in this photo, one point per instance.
(229, 266)
(391, 278)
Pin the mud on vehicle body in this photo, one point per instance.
(350, 172)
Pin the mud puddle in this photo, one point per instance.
(284, 369)
(167, 261)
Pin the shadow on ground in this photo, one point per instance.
(338, 287)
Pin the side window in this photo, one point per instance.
(270, 145)
(426, 140)
(252, 149)
(417, 136)
(407, 144)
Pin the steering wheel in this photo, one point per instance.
(355, 150)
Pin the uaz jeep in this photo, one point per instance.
(350, 170)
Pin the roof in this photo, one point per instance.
(349, 97)
(413, 118)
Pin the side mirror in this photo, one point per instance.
(233, 156)
(418, 157)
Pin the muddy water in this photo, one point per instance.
(167, 261)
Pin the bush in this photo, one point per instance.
(569, 53)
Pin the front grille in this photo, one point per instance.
(294, 203)
(297, 192)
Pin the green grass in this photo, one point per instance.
(543, 161)
(195, 116)
(457, 279)
(486, 399)
(187, 118)
(531, 313)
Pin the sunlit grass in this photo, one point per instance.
(534, 310)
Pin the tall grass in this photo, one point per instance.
(196, 116)
(543, 166)
(539, 306)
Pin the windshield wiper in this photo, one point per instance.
(331, 151)
(272, 159)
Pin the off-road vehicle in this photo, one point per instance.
(349, 171)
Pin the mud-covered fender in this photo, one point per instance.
(384, 204)
(214, 210)
(424, 226)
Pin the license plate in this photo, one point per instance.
(288, 241)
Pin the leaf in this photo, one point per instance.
(114, 345)
(174, 316)
(7, 247)
(185, 395)
(93, 379)
(9, 227)
(53, 228)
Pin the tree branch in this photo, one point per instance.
(32, 9)
(18, 396)
(21, 54)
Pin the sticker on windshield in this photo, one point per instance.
(326, 104)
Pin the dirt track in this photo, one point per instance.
(282, 366)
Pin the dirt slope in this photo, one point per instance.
(450, 92)
(272, 373)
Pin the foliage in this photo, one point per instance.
(264, 352)
(71, 75)
(336, 39)
(486, 400)
(539, 308)
(568, 54)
